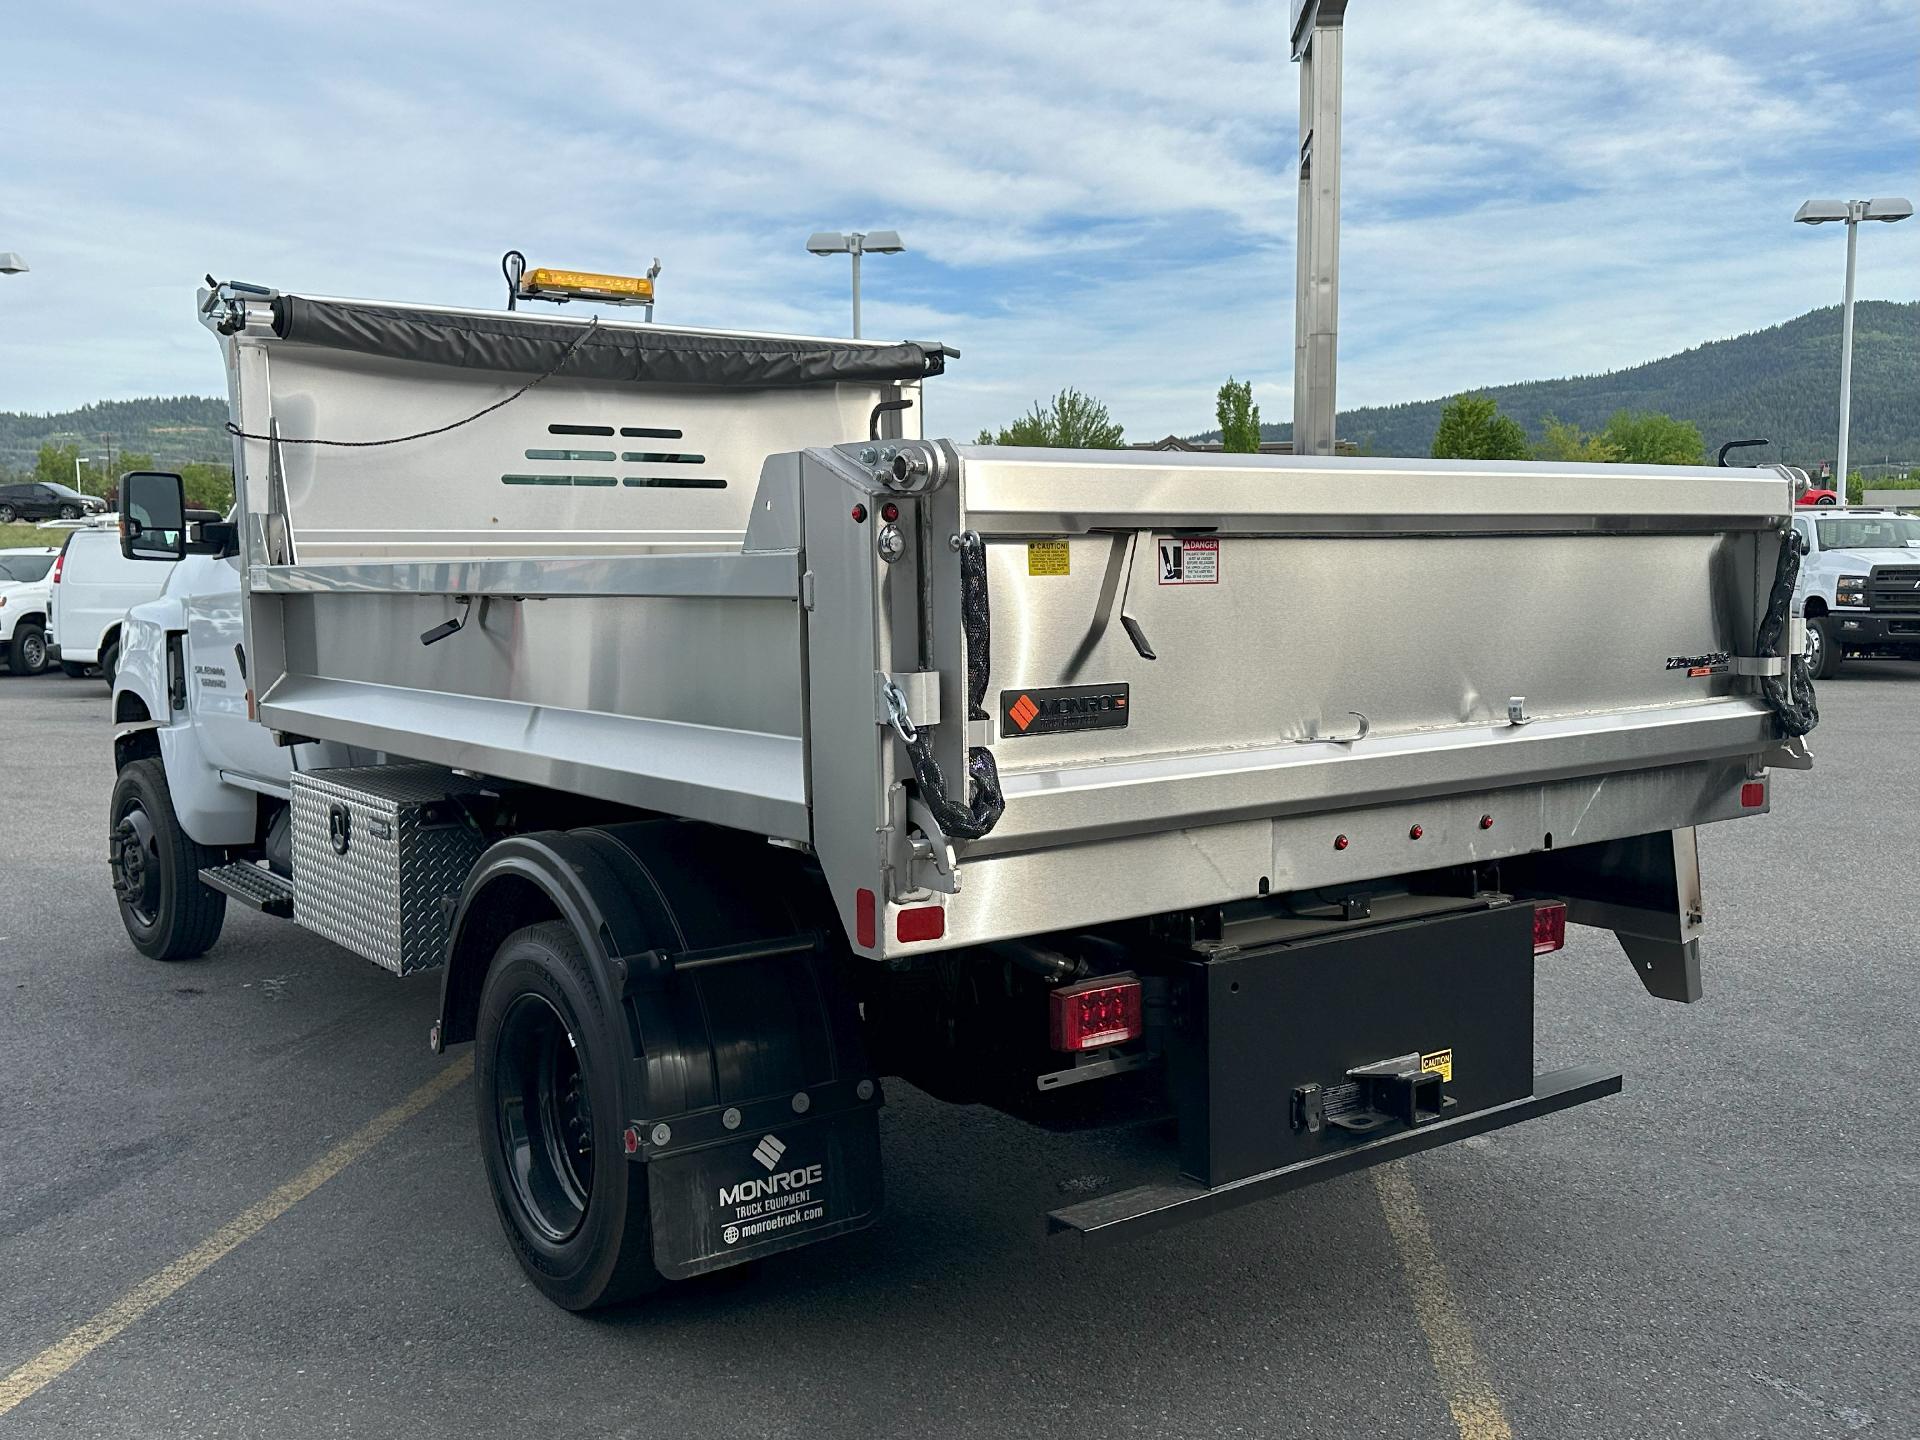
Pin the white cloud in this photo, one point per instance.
(1097, 195)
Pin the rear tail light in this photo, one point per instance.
(58, 561)
(1549, 927)
(1094, 1013)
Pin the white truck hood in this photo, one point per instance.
(1865, 560)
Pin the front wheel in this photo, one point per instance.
(69, 512)
(29, 650)
(547, 1095)
(1824, 651)
(156, 866)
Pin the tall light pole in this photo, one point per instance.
(1850, 214)
(1318, 34)
(855, 243)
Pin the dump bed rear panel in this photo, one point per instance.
(1206, 670)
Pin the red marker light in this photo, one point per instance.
(1415, 832)
(1753, 795)
(859, 514)
(1339, 842)
(1549, 927)
(1486, 822)
(920, 922)
(865, 930)
(1094, 1013)
(889, 512)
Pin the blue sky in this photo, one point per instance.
(1097, 195)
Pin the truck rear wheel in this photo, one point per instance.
(547, 1093)
(156, 866)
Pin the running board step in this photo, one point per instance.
(254, 886)
(1154, 1207)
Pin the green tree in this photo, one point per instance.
(54, 464)
(1072, 421)
(209, 487)
(1648, 437)
(1239, 418)
(1472, 428)
(1567, 441)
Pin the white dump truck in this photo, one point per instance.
(733, 748)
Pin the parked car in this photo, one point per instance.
(1859, 586)
(38, 500)
(94, 586)
(24, 601)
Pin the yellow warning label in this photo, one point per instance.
(1441, 1060)
(1047, 557)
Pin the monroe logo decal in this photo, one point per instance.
(1061, 708)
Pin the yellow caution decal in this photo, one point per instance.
(1047, 557)
(1441, 1060)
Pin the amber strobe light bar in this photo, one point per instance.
(560, 286)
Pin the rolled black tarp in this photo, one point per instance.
(525, 345)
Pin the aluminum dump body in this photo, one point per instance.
(1206, 677)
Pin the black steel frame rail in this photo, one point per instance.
(1146, 1208)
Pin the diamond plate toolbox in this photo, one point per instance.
(374, 849)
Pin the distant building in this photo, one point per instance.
(1214, 447)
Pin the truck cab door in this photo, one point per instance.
(217, 673)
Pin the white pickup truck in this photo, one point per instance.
(1859, 585)
(24, 601)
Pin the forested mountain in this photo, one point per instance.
(174, 430)
(1782, 383)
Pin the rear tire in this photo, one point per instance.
(110, 662)
(156, 865)
(72, 670)
(8, 514)
(28, 653)
(1824, 651)
(548, 1098)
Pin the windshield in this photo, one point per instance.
(65, 492)
(1870, 532)
(14, 568)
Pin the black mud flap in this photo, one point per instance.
(759, 1122)
(782, 1183)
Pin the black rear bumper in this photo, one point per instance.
(1133, 1212)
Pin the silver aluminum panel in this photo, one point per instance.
(405, 846)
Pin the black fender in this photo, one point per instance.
(745, 1064)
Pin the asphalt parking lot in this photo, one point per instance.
(1728, 1248)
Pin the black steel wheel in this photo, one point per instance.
(168, 913)
(547, 1096)
(28, 655)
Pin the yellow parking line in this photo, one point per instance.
(53, 1362)
(1477, 1413)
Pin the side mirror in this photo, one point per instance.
(153, 515)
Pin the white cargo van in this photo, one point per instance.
(94, 586)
